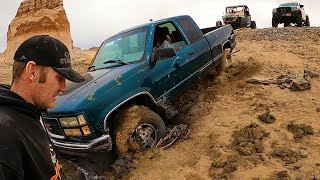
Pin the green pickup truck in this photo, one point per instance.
(126, 98)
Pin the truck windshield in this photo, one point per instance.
(234, 10)
(289, 5)
(128, 47)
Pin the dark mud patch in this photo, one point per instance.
(286, 155)
(283, 175)
(223, 168)
(300, 130)
(248, 140)
(267, 118)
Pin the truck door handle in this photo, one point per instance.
(190, 53)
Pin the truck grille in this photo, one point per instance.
(54, 124)
(284, 10)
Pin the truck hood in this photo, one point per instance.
(78, 95)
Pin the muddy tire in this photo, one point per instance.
(307, 23)
(274, 23)
(253, 25)
(286, 24)
(226, 61)
(218, 23)
(137, 128)
(299, 21)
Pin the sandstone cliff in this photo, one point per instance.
(38, 17)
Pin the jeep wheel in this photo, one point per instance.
(307, 23)
(299, 21)
(286, 24)
(274, 22)
(226, 60)
(137, 128)
(253, 25)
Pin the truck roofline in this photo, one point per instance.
(148, 24)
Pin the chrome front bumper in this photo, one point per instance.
(103, 143)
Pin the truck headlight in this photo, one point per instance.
(82, 121)
(73, 132)
(69, 122)
(294, 8)
(274, 10)
(86, 131)
(75, 126)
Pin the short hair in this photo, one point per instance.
(18, 68)
(43, 74)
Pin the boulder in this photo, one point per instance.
(35, 17)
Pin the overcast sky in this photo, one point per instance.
(92, 21)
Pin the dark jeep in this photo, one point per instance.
(288, 13)
(238, 17)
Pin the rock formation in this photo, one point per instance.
(36, 17)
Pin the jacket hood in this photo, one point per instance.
(14, 101)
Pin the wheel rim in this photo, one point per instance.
(144, 136)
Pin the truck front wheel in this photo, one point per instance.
(137, 128)
(274, 22)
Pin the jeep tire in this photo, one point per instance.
(137, 128)
(274, 22)
(253, 25)
(307, 23)
(299, 21)
(286, 24)
(226, 60)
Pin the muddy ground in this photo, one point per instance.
(227, 138)
(252, 122)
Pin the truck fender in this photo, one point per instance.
(145, 93)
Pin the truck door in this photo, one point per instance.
(199, 48)
(169, 73)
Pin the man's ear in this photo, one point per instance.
(31, 70)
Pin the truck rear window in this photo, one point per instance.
(192, 30)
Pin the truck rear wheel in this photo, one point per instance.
(137, 128)
(226, 60)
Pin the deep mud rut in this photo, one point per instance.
(229, 138)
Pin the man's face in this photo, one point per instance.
(46, 90)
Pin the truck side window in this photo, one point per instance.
(173, 35)
(191, 29)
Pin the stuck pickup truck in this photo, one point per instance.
(126, 97)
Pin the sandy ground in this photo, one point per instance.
(227, 140)
(222, 106)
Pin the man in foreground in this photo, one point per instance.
(41, 65)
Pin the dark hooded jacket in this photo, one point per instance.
(24, 144)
